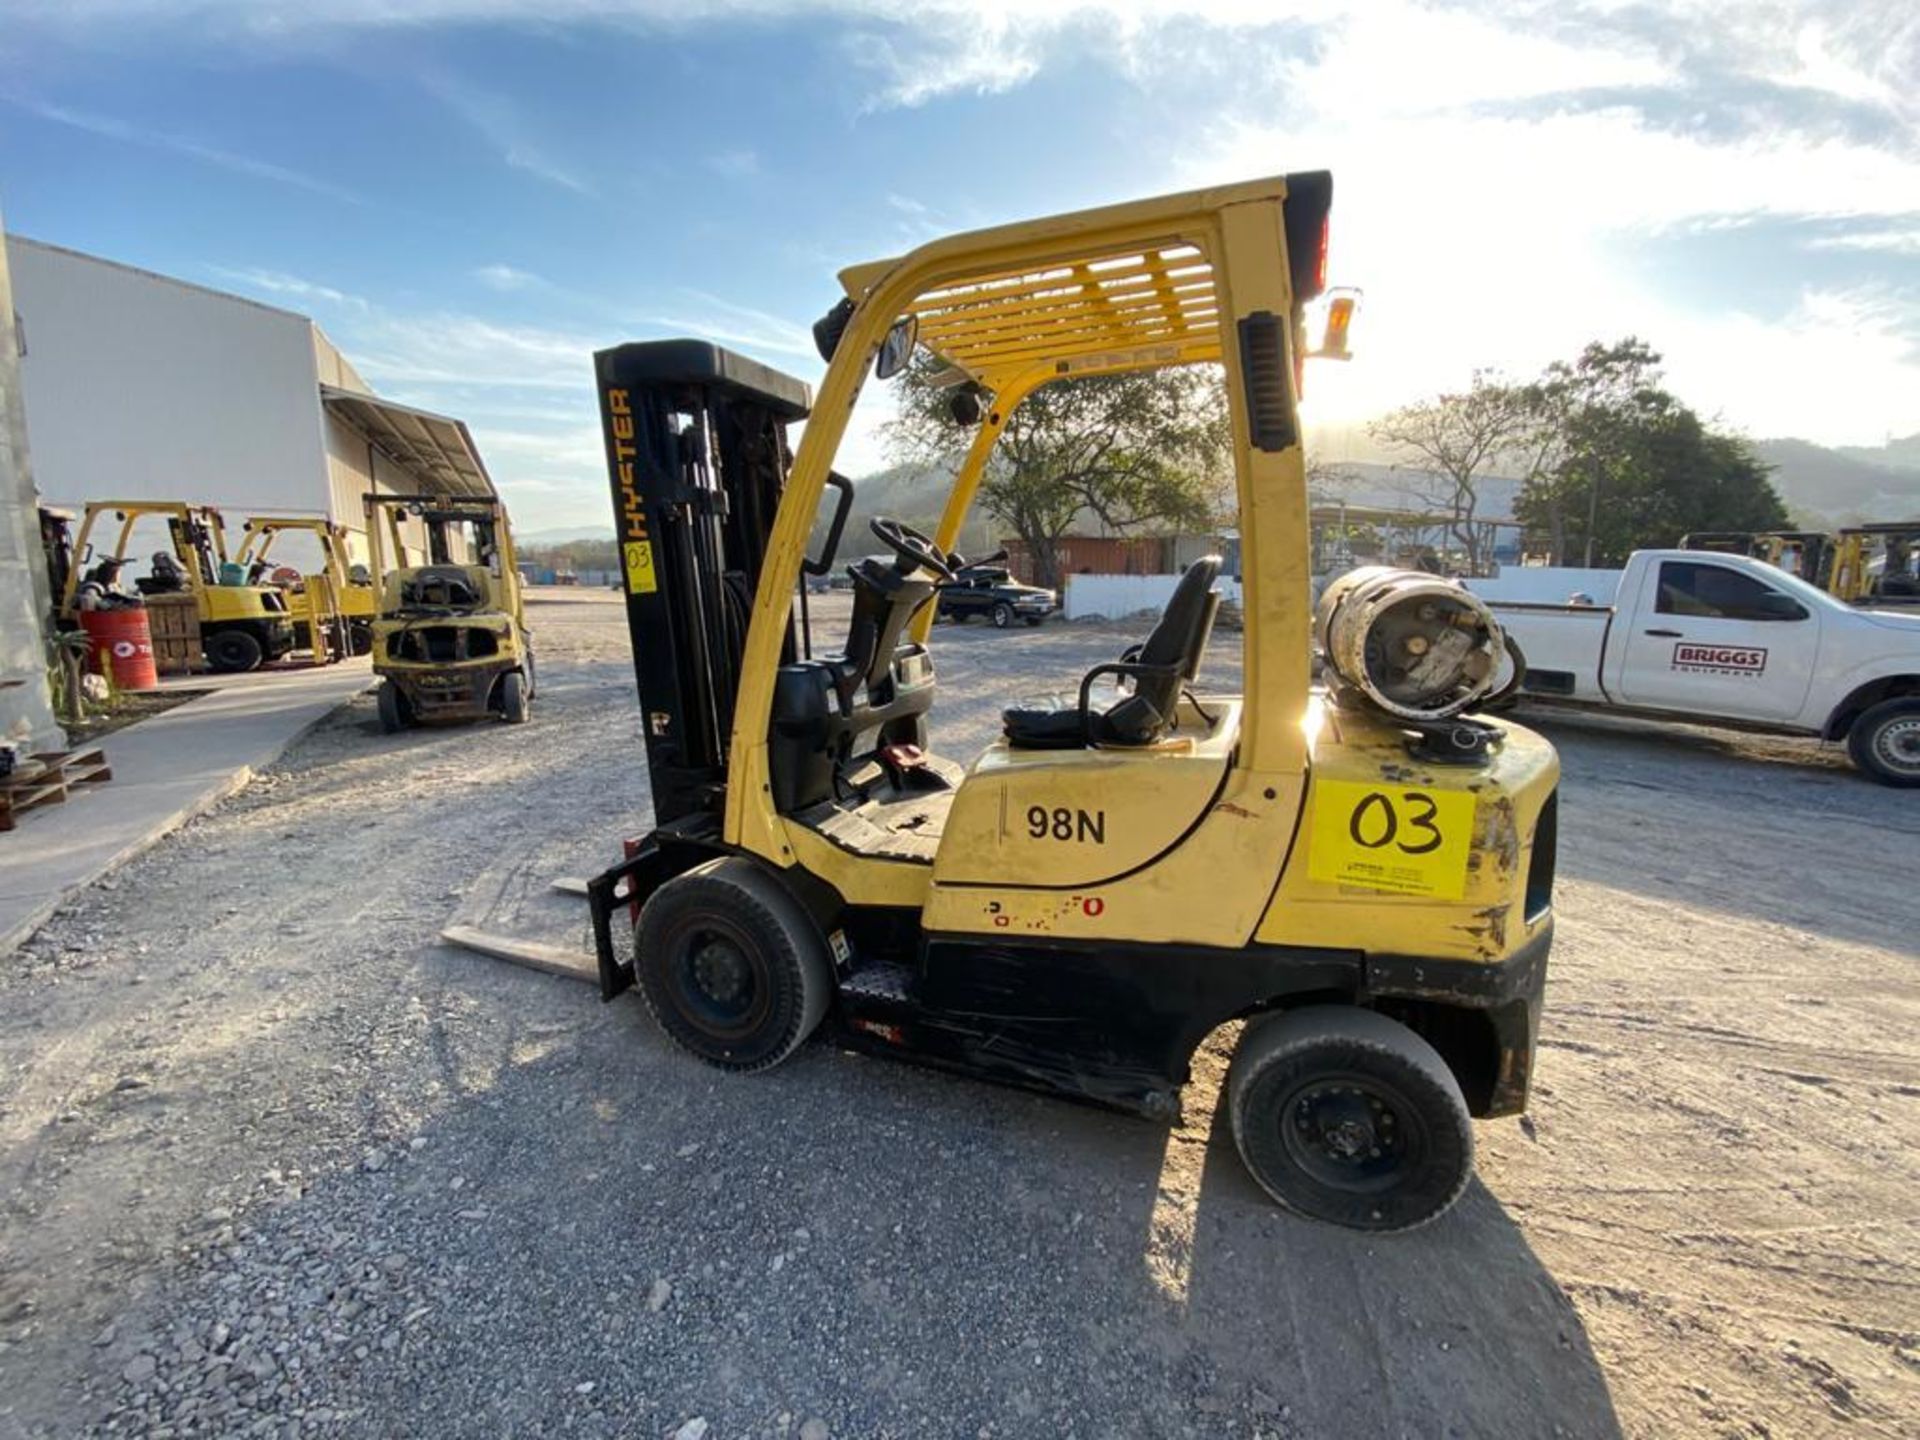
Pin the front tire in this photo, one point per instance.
(1346, 1116)
(731, 966)
(395, 713)
(1002, 615)
(233, 651)
(1885, 742)
(514, 701)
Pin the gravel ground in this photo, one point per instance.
(274, 1161)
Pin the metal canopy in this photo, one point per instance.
(1155, 304)
(435, 450)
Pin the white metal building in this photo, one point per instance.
(142, 387)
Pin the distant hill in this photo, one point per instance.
(568, 535)
(1896, 454)
(1839, 487)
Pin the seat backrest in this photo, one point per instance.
(1178, 643)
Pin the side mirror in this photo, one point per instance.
(1775, 606)
(897, 348)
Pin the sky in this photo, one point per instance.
(471, 196)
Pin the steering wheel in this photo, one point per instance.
(914, 549)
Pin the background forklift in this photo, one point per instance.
(241, 626)
(450, 638)
(1894, 580)
(339, 595)
(1368, 888)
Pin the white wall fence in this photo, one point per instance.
(1117, 596)
(1114, 597)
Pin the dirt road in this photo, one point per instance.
(275, 1161)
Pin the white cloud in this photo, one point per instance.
(293, 287)
(497, 121)
(742, 325)
(509, 278)
(1892, 242)
(468, 351)
(739, 164)
(111, 128)
(1495, 234)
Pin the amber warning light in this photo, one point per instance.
(1332, 325)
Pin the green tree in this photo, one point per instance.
(1452, 443)
(1142, 453)
(574, 555)
(1616, 462)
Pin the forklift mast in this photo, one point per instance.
(697, 457)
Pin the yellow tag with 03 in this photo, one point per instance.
(1392, 838)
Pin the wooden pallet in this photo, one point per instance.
(46, 778)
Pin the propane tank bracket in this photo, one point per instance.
(1453, 742)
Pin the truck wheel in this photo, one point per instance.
(513, 698)
(731, 966)
(1885, 742)
(360, 637)
(232, 651)
(395, 713)
(1344, 1115)
(1002, 615)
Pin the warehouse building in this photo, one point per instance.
(143, 387)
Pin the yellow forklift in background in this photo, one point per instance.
(1895, 546)
(241, 625)
(338, 597)
(449, 637)
(1362, 876)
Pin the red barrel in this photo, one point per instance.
(125, 640)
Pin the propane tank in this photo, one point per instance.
(1413, 645)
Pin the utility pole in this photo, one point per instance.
(1593, 508)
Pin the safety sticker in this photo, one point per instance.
(1391, 838)
(640, 577)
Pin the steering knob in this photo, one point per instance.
(912, 549)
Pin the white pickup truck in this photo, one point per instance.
(1728, 640)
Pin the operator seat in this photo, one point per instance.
(1167, 660)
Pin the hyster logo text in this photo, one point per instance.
(1720, 659)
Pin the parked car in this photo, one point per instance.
(996, 595)
(1698, 636)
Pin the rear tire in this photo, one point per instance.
(514, 705)
(1885, 742)
(360, 637)
(395, 713)
(731, 966)
(1346, 1116)
(232, 651)
(1002, 615)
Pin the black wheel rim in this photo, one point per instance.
(1352, 1132)
(719, 982)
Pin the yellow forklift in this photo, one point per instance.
(241, 625)
(1896, 581)
(338, 596)
(1809, 554)
(449, 637)
(1362, 876)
